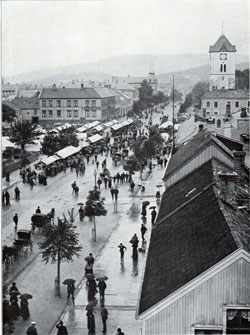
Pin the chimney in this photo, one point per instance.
(82, 86)
(200, 127)
(228, 182)
(239, 162)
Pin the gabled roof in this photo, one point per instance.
(222, 44)
(227, 94)
(26, 103)
(76, 93)
(196, 234)
(192, 148)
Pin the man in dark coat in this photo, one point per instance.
(153, 216)
(143, 231)
(7, 198)
(62, 330)
(38, 210)
(122, 248)
(15, 219)
(102, 287)
(17, 193)
(32, 329)
(104, 315)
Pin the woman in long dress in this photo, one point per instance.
(25, 309)
(90, 320)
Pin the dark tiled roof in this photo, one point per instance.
(230, 143)
(26, 103)
(190, 149)
(69, 93)
(222, 44)
(189, 242)
(227, 94)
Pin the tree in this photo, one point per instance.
(146, 94)
(50, 144)
(160, 97)
(131, 165)
(187, 103)
(8, 113)
(68, 137)
(155, 136)
(198, 91)
(24, 132)
(60, 244)
(94, 205)
(242, 79)
(177, 95)
(137, 108)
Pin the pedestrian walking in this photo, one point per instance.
(88, 268)
(38, 210)
(14, 307)
(32, 329)
(134, 241)
(112, 191)
(97, 164)
(143, 231)
(142, 189)
(165, 161)
(8, 177)
(17, 193)
(25, 313)
(76, 191)
(73, 185)
(92, 289)
(122, 248)
(71, 290)
(119, 332)
(102, 287)
(104, 315)
(99, 182)
(32, 183)
(13, 289)
(109, 183)
(81, 213)
(132, 186)
(62, 330)
(105, 182)
(153, 216)
(3, 198)
(77, 172)
(95, 157)
(7, 198)
(15, 220)
(91, 259)
(90, 320)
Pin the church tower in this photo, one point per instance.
(222, 65)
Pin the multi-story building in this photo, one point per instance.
(77, 104)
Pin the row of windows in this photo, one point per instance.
(49, 113)
(70, 103)
(237, 104)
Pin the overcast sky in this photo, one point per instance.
(42, 34)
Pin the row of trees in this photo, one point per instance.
(194, 97)
(242, 79)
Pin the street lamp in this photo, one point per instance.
(94, 204)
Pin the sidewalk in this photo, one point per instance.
(125, 277)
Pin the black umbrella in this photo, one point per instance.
(103, 278)
(80, 204)
(152, 207)
(26, 296)
(69, 281)
(145, 203)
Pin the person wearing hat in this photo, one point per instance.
(62, 330)
(119, 332)
(32, 329)
(122, 248)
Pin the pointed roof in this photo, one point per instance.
(222, 44)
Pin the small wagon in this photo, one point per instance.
(23, 238)
(39, 221)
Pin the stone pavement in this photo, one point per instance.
(125, 277)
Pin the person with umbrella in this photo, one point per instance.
(62, 330)
(134, 241)
(25, 313)
(122, 249)
(71, 290)
(32, 329)
(153, 216)
(92, 289)
(90, 320)
(143, 231)
(102, 287)
(104, 315)
(81, 213)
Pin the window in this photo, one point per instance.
(238, 321)
(225, 68)
(68, 103)
(75, 113)
(87, 114)
(35, 113)
(93, 113)
(208, 103)
(50, 113)
(86, 103)
(208, 113)
(236, 103)
(43, 103)
(222, 78)
(93, 103)
(50, 103)
(75, 103)
(59, 113)
(69, 113)
(58, 103)
(44, 113)
(215, 113)
(221, 68)
(215, 104)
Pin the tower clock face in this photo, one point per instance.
(223, 56)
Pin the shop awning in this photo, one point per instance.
(68, 151)
(50, 160)
(116, 126)
(98, 128)
(82, 129)
(95, 138)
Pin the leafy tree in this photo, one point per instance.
(242, 79)
(8, 113)
(177, 95)
(24, 132)
(187, 103)
(131, 165)
(155, 136)
(137, 108)
(160, 97)
(68, 137)
(198, 91)
(60, 243)
(146, 94)
(94, 205)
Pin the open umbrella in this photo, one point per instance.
(89, 276)
(159, 185)
(26, 296)
(88, 259)
(152, 207)
(145, 203)
(69, 281)
(80, 204)
(103, 278)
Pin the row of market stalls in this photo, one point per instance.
(121, 126)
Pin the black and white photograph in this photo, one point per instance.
(125, 167)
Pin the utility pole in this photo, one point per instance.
(173, 115)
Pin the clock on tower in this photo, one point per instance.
(223, 56)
